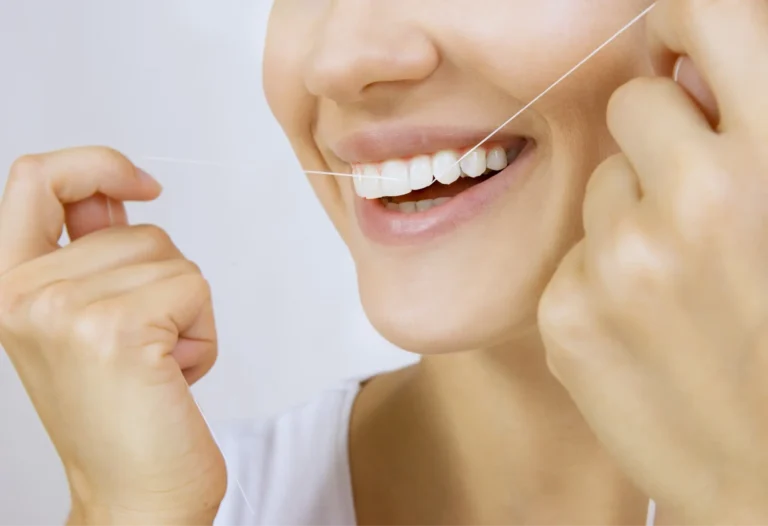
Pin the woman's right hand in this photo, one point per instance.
(106, 334)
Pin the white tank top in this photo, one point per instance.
(293, 470)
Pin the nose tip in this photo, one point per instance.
(348, 62)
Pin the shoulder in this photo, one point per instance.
(293, 468)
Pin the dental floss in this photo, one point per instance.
(234, 475)
(556, 83)
(173, 160)
(535, 100)
(200, 409)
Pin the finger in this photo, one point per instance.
(655, 123)
(120, 281)
(94, 213)
(612, 193)
(728, 42)
(32, 213)
(196, 357)
(97, 253)
(693, 83)
(564, 311)
(178, 307)
(195, 351)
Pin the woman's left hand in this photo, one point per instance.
(657, 322)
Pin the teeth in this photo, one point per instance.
(399, 177)
(412, 207)
(357, 171)
(421, 172)
(395, 182)
(445, 167)
(423, 206)
(474, 164)
(497, 159)
(370, 185)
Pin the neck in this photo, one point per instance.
(493, 437)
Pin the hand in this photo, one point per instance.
(105, 334)
(657, 322)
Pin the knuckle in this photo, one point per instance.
(562, 313)
(564, 307)
(619, 100)
(187, 266)
(96, 332)
(626, 96)
(603, 174)
(153, 238)
(108, 156)
(53, 303)
(704, 206)
(25, 166)
(634, 262)
(567, 325)
(603, 170)
(200, 285)
(627, 101)
(703, 193)
(86, 329)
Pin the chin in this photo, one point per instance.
(450, 310)
(465, 273)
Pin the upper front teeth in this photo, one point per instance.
(398, 177)
(395, 180)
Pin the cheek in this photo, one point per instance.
(283, 84)
(295, 109)
(524, 50)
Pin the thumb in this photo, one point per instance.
(92, 214)
(689, 78)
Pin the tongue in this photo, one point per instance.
(438, 190)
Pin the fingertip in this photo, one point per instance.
(149, 181)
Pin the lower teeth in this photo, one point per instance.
(412, 207)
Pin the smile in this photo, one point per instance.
(397, 178)
(414, 199)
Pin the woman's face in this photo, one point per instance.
(402, 89)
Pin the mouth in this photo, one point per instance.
(412, 200)
(426, 181)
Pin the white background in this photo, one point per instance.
(182, 78)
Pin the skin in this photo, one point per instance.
(484, 281)
(493, 424)
(484, 72)
(613, 347)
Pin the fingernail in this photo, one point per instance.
(678, 65)
(148, 179)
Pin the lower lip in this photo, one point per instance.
(391, 227)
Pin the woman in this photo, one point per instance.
(585, 348)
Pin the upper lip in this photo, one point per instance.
(380, 144)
